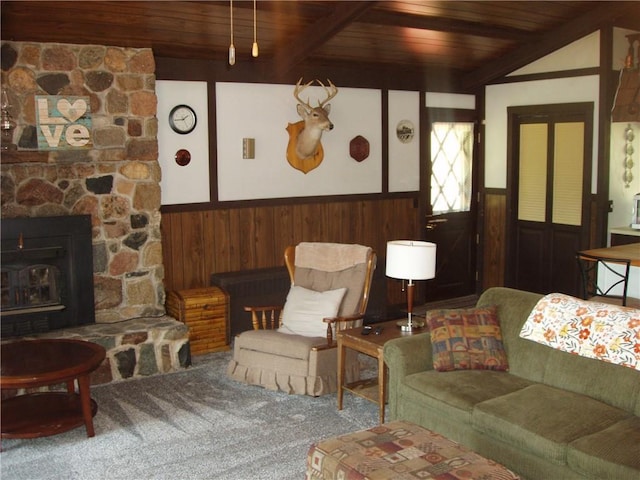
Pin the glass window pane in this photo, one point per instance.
(451, 163)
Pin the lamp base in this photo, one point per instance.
(406, 326)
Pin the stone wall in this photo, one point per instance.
(116, 180)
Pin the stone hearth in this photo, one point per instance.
(135, 348)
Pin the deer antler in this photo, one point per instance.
(330, 93)
(298, 90)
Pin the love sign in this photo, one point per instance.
(63, 122)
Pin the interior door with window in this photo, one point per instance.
(548, 190)
(451, 209)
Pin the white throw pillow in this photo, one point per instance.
(304, 310)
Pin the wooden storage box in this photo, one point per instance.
(205, 311)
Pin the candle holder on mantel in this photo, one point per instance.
(7, 125)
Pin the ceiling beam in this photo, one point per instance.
(289, 56)
(630, 22)
(421, 22)
(547, 43)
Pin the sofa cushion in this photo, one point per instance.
(617, 386)
(459, 391)
(304, 310)
(610, 453)
(543, 420)
(513, 308)
(464, 339)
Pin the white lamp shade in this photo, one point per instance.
(411, 260)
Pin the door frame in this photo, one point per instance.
(514, 114)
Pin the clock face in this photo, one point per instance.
(182, 119)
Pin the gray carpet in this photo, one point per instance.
(194, 424)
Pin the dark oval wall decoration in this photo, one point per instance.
(359, 148)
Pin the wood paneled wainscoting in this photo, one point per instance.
(199, 243)
(494, 238)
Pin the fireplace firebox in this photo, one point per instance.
(46, 280)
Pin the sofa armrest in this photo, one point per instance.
(404, 356)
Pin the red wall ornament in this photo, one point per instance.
(183, 157)
(359, 148)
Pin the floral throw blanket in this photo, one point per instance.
(590, 329)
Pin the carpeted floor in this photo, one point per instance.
(194, 424)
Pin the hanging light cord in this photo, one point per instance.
(254, 48)
(232, 48)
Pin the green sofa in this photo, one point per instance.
(553, 415)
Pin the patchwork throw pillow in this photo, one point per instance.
(304, 310)
(466, 339)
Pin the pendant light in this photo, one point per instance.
(254, 48)
(232, 48)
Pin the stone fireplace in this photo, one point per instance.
(115, 182)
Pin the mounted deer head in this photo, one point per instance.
(316, 119)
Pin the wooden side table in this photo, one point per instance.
(34, 363)
(373, 389)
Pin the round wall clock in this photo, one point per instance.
(182, 119)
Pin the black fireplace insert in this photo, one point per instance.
(46, 281)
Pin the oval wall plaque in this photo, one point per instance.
(405, 131)
(359, 148)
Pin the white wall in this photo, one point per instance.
(190, 183)
(539, 92)
(262, 112)
(583, 53)
(404, 158)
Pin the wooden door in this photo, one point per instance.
(548, 188)
(451, 208)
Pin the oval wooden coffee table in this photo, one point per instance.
(35, 363)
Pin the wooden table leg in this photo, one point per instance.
(341, 354)
(382, 381)
(85, 400)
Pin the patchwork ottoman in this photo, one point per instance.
(398, 450)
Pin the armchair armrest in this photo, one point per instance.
(330, 321)
(266, 316)
(405, 356)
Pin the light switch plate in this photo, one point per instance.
(248, 148)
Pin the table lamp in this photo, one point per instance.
(411, 260)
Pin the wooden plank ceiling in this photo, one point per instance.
(475, 41)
